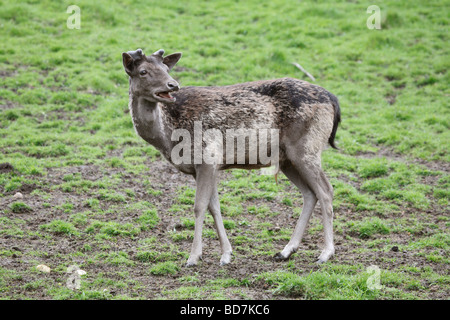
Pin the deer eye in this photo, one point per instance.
(142, 72)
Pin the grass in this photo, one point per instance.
(320, 284)
(164, 268)
(60, 227)
(18, 207)
(96, 195)
(369, 227)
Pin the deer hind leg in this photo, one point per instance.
(309, 202)
(316, 179)
(325, 194)
(307, 162)
(205, 178)
(214, 208)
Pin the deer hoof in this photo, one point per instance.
(225, 259)
(192, 262)
(325, 255)
(279, 257)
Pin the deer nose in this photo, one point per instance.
(173, 85)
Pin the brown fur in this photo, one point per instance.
(276, 103)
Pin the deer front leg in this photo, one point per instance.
(206, 183)
(214, 208)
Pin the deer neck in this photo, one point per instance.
(148, 122)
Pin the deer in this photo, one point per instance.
(305, 116)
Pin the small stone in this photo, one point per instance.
(80, 272)
(43, 268)
(18, 195)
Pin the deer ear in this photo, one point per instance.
(127, 62)
(172, 59)
(129, 58)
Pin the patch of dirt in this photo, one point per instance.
(6, 167)
(8, 105)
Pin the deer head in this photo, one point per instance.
(149, 75)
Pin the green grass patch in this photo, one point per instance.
(321, 284)
(369, 227)
(164, 268)
(111, 228)
(61, 227)
(19, 207)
